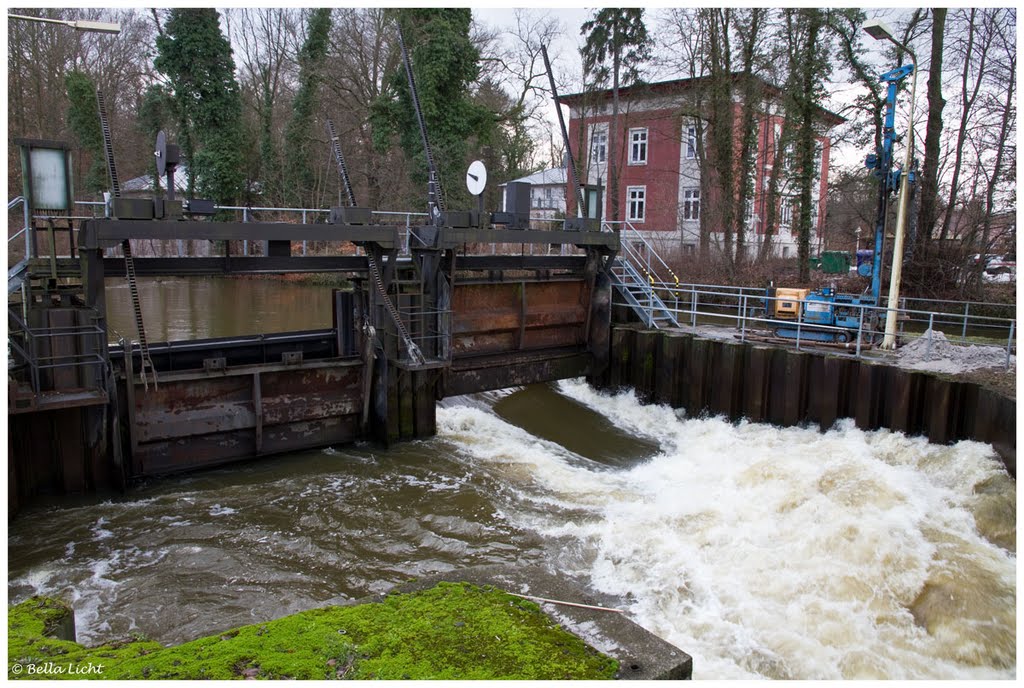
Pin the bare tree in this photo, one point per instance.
(973, 50)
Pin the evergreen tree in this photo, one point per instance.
(618, 37)
(196, 58)
(298, 131)
(445, 63)
(84, 122)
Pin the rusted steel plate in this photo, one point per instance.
(211, 450)
(195, 407)
(484, 374)
(289, 397)
(510, 316)
(222, 403)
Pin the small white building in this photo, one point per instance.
(142, 186)
(547, 195)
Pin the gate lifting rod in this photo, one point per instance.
(414, 351)
(129, 262)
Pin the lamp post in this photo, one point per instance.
(77, 24)
(880, 31)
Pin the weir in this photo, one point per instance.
(84, 416)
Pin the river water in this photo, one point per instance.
(763, 552)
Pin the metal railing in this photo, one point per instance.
(747, 311)
(11, 205)
(27, 352)
(634, 273)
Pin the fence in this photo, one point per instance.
(746, 310)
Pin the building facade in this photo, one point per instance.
(661, 164)
(547, 195)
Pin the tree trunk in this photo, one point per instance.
(805, 146)
(1004, 126)
(930, 169)
(968, 104)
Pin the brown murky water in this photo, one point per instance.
(764, 552)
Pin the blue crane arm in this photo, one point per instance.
(881, 163)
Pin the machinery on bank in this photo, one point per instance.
(823, 315)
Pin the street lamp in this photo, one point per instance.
(879, 30)
(77, 24)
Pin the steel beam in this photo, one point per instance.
(236, 265)
(521, 262)
(104, 233)
(453, 237)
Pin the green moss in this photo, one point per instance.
(452, 631)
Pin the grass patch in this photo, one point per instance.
(451, 631)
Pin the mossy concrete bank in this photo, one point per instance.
(787, 387)
(640, 654)
(445, 631)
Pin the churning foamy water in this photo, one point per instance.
(763, 552)
(768, 552)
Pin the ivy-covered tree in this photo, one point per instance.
(617, 44)
(445, 63)
(810, 67)
(84, 123)
(196, 58)
(300, 128)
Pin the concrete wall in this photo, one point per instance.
(787, 387)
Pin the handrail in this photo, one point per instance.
(738, 309)
(11, 204)
(635, 235)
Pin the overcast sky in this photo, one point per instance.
(839, 92)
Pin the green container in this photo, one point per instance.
(835, 262)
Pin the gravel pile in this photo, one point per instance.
(943, 356)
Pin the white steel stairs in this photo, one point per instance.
(634, 273)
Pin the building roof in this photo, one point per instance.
(675, 86)
(554, 176)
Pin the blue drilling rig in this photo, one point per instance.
(815, 314)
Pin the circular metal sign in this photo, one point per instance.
(476, 178)
(161, 153)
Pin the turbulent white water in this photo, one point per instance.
(780, 553)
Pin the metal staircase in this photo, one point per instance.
(635, 273)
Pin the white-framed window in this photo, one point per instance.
(691, 143)
(599, 143)
(636, 203)
(691, 204)
(785, 212)
(638, 146)
(688, 249)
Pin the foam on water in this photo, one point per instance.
(768, 552)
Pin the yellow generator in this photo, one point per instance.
(786, 303)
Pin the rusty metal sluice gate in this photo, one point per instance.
(438, 324)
